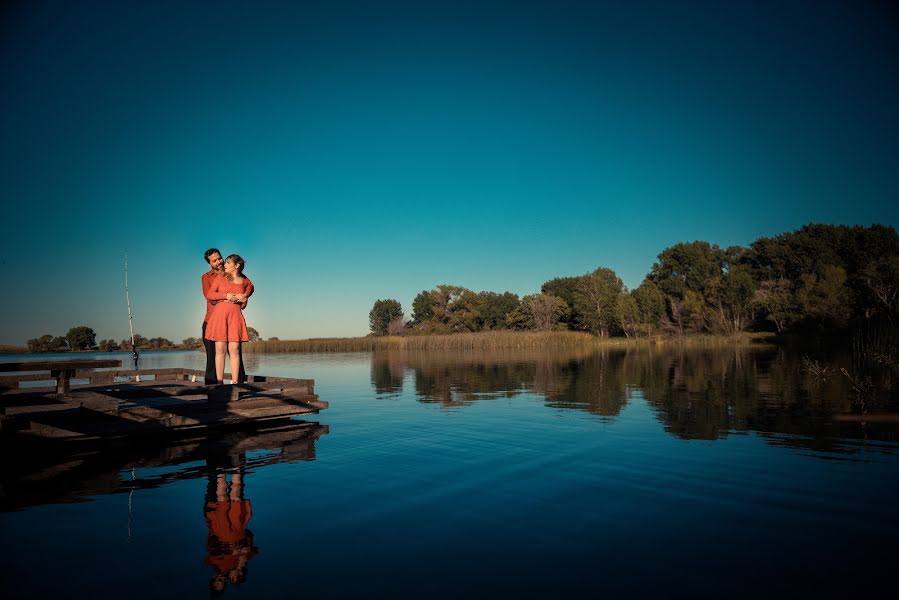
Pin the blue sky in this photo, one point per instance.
(352, 151)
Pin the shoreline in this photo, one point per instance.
(489, 340)
(500, 340)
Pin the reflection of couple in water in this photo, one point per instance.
(230, 544)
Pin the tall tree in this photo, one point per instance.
(730, 297)
(566, 289)
(382, 313)
(596, 300)
(650, 305)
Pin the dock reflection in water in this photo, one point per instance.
(694, 394)
(227, 460)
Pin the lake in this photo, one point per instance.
(736, 472)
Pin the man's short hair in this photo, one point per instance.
(210, 252)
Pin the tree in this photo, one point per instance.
(191, 342)
(494, 309)
(423, 307)
(775, 299)
(382, 313)
(825, 298)
(730, 297)
(687, 267)
(650, 305)
(628, 315)
(59, 344)
(81, 338)
(596, 300)
(543, 311)
(566, 289)
(41, 344)
(108, 346)
(881, 277)
(253, 334)
(140, 341)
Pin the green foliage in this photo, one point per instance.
(423, 307)
(687, 267)
(48, 343)
(650, 305)
(730, 300)
(775, 298)
(253, 334)
(596, 300)
(629, 315)
(158, 343)
(81, 338)
(494, 309)
(382, 313)
(825, 299)
(538, 312)
(566, 289)
(108, 346)
(191, 342)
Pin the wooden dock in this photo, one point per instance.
(83, 403)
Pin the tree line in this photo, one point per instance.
(817, 278)
(84, 338)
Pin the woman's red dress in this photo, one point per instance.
(226, 324)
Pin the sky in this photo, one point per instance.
(355, 151)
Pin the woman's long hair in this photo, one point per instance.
(237, 260)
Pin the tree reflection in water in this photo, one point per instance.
(703, 394)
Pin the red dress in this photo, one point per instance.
(226, 324)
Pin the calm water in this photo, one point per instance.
(694, 473)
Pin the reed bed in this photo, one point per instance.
(8, 349)
(494, 340)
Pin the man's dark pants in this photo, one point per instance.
(210, 361)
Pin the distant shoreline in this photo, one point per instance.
(498, 340)
(488, 340)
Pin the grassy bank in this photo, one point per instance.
(495, 340)
(7, 349)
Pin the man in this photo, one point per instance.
(217, 269)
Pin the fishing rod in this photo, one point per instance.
(135, 355)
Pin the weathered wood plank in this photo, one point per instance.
(56, 365)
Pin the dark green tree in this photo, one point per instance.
(687, 267)
(253, 334)
(566, 289)
(650, 306)
(41, 344)
(382, 313)
(81, 338)
(423, 307)
(494, 309)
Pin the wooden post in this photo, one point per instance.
(63, 385)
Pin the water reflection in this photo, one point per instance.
(40, 477)
(229, 544)
(705, 394)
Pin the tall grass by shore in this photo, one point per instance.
(494, 340)
(9, 349)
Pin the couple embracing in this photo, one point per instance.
(227, 290)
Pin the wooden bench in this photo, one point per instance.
(62, 371)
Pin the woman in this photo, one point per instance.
(227, 327)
